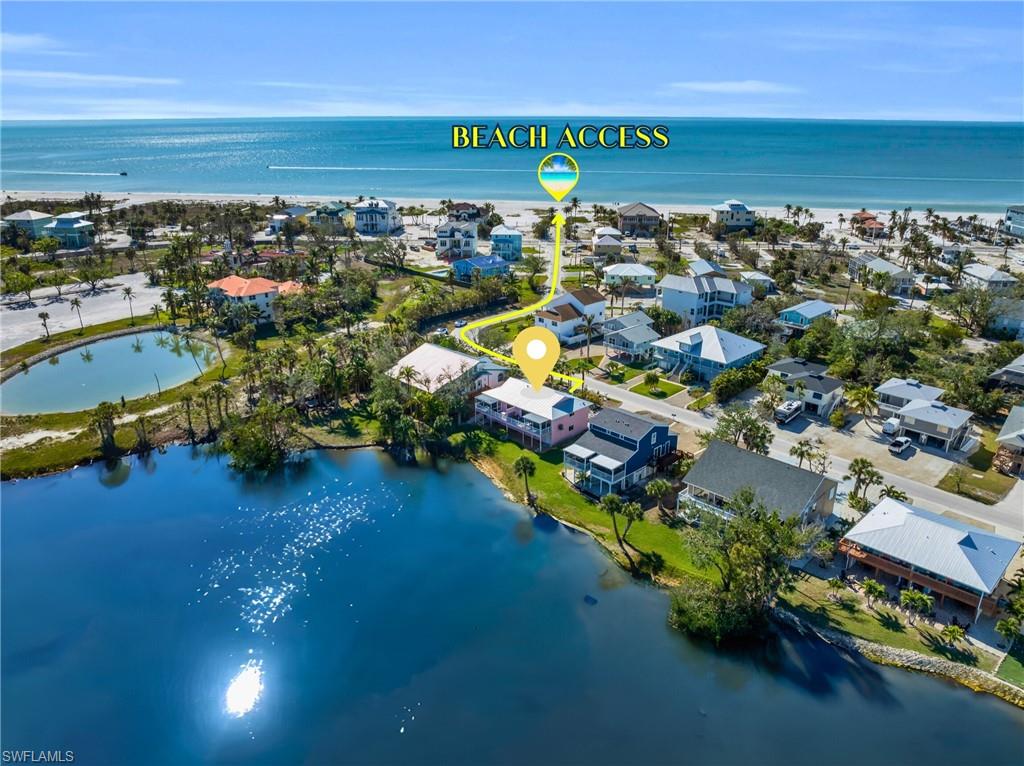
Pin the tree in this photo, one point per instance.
(802, 450)
(259, 443)
(916, 603)
(658, 488)
(17, 281)
(651, 379)
(751, 554)
(532, 265)
(953, 635)
(613, 505)
(891, 491)
(834, 586)
(128, 294)
(76, 306)
(103, 421)
(864, 475)
(525, 468)
(740, 426)
(824, 551)
(1009, 629)
(873, 591)
(589, 327)
(44, 317)
(864, 400)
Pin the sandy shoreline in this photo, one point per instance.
(522, 209)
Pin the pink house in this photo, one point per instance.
(541, 418)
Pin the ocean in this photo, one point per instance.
(976, 167)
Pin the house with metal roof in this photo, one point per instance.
(618, 453)
(758, 279)
(808, 383)
(802, 315)
(724, 469)
(32, 222)
(704, 352)
(1009, 457)
(433, 368)
(1010, 377)
(862, 267)
(605, 246)
(456, 239)
(944, 557)
(896, 393)
(483, 266)
(641, 276)
(73, 231)
(1007, 318)
(934, 424)
(336, 216)
(701, 267)
(630, 341)
(377, 216)
(734, 215)
(639, 220)
(986, 277)
(539, 418)
(698, 299)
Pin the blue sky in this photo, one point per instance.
(943, 61)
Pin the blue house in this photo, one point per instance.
(618, 453)
(483, 265)
(704, 352)
(506, 242)
(802, 315)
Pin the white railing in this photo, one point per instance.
(687, 500)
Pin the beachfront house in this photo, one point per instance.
(336, 217)
(618, 453)
(464, 211)
(506, 243)
(640, 275)
(629, 337)
(639, 220)
(1009, 457)
(802, 315)
(377, 216)
(987, 278)
(281, 217)
(809, 384)
(704, 352)
(934, 424)
(456, 239)
(564, 315)
(72, 230)
(896, 393)
(946, 558)
(258, 292)
(867, 225)
(433, 369)
(734, 216)
(1013, 221)
(863, 268)
(698, 299)
(32, 222)
(482, 266)
(605, 246)
(1007, 318)
(724, 469)
(539, 419)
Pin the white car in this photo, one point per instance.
(899, 445)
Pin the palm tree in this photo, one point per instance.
(186, 402)
(525, 468)
(658, 488)
(953, 635)
(76, 305)
(863, 473)
(873, 590)
(589, 326)
(44, 316)
(129, 295)
(864, 400)
(802, 450)
(626, 285)
(612, 505)
(890, 490)
(834, 586)
(1009, 629)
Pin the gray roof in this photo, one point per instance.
(703, 268)
(725, 469)
(908, 388)
(603, 446)
(702, 285)
(639, 333)
(937, 413)
(631, 319)
(794, 365)
(811, 308)
(622, 422)
(1012, 373)
(1012, 432)
(959, 552)
(638, 208)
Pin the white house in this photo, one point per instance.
(642, 276)
(863, 266)
(506, 242)
(808, 383)
(258, 292)
(565, 314)
(986, 277)
(432, 368)
(1008, 317)
(758, 279)
(377, 216)
(705, 352)
(605, 245)
(734, 215)
(698, 299)
(456, 239)
(935, 424)
(280, 218)
(896, 393)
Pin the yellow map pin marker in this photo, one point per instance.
(536, 349)
(558, 173)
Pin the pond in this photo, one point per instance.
(130, 366)
(167, 611)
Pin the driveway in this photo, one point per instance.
(19, 319)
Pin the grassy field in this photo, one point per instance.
(628, 372)
(498, 335)
(883, 625)
(979, 480)
(662, 390)
(1012, 667)
(33, 347)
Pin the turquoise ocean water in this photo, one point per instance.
(954, 166)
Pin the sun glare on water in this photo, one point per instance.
(245, 689)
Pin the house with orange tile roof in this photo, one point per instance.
(258, 292)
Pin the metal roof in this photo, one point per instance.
(908, 388)
(1012, 432)
(945, 547)
(716, 345)
(936, 412)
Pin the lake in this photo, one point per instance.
(164, 610)
(130, 366)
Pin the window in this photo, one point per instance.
(654, 437)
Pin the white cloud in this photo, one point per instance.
(734, 86)
(46, 79)
(11, 42)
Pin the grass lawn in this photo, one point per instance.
(663, 390)
(628, 372)
(555, 493)
(850, 614)
(498, 335)
(530, 250)
(701, 402)
(585, 364)
(980, 481)
(1012, 667)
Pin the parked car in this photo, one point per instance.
(891, 426)
(899, 444)
(460, 322)
(441, 331)
(786, 411)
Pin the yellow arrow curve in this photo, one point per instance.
(574, 383)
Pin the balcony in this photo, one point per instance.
(689, 498)
(536, 430)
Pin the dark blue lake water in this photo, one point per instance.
(166, 611)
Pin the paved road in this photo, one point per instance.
(1007, 517)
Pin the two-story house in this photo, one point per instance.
(704, 352)
(702, 267)
(618, 453)
(1007, 318)
(801, 316)
(506, 243)
(698, 299)
(377, 216)
(808, 383)
(863, 267)
(723, 469)
(335, 216)
(1013, 221)
(637, 273)
(639, 220)
(540, 419)
(734, 216)
(258, 292)
(565, 314)
(456, 239)
(630, 336)
(433, 368)
(896, 393)
(987, 278)
(1010, 377)
(934, 424)
(32, 222)
(73, 231)
(281, 217)
(464, 211)
(605, 246)
(1009, 457)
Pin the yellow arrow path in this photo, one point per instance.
(575, 383)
